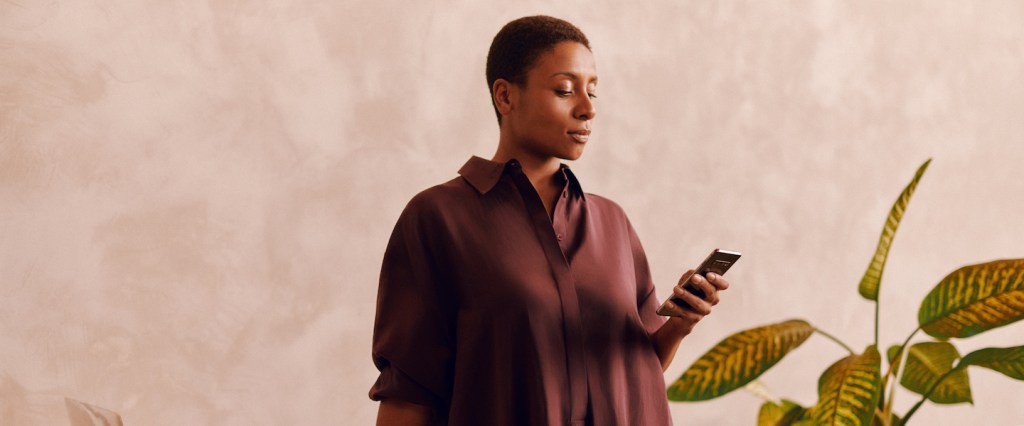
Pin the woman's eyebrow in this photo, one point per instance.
(572, 75)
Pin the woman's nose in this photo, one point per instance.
(585, 108)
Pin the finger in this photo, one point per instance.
(690, 318)
(686, 277)
(674, 308)
(710, 292)
(718, 280)
(683, 312)
(693, 303)
(682, 293)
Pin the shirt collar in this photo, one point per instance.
(483, 174)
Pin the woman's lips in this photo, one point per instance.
(580, 136)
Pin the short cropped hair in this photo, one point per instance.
(518, 45)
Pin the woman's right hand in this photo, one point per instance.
(695, 308)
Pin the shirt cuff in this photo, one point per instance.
(649, 313)
(394, 384)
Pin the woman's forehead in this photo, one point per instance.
(566, 60)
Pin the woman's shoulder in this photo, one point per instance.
(438, 199)
(604, 205)
(606, 211)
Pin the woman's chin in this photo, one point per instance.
(573, 157)
(573, 154)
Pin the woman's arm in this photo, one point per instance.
(398, 412)
(684, 318)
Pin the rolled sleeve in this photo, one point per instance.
(647, 300)
(412, 340)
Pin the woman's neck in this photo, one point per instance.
(541, 171)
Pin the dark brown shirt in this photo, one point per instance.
(493, 313)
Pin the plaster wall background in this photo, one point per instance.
(195, 196)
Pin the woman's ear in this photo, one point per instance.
(504, 96)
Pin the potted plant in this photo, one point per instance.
(856, 390)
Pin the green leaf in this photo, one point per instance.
(737, 360)
(805, 417)
(927, 362)
(848, 391)
(1009, 361)
(793, 417)
(772, 414)
(893, 420)
(974, 299)
(894, 355)
(873, 276)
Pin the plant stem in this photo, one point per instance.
(899, 354)
(759, 390)
(834, 339)
(878, 304)
(887, 412)
(927, 394)
(892, 364)
(911, 412)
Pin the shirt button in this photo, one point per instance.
(559, 236)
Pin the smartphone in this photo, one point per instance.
(718, 262)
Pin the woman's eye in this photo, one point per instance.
(563, 93)
(592, 95)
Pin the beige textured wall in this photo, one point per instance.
(195, 196)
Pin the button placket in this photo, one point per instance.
(545, 229)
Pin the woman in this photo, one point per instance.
(508, 295)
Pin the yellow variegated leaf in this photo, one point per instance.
(974, 299)
(793, 417)
(737, 360)
(848, 391)
(806, 418)
(1009, 361)
(927, 362)
(873, 276)
(772, 414)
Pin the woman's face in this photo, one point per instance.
(552, 113)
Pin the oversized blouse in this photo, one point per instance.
(493, 313)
